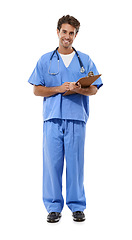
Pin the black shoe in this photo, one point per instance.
(78, 216)
(53, 217)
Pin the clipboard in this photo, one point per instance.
(85, 82)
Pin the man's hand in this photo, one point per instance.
(64, 87)
(73, 86)
(91, 90)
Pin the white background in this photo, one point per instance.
(28, 30)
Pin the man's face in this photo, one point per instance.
(66, 35)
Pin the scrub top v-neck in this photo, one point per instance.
(67, 58)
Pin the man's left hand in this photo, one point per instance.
(73, 86)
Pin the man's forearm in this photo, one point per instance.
(89, 91)
(45, 91)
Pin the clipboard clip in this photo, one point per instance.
(90, 74)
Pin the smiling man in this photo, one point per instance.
(65, 119)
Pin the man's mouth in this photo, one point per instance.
(66, 41)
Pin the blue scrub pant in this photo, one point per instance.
(63, 138)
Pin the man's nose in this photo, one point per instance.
(67, 36)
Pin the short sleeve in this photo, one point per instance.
(93, 68)
(37, 76)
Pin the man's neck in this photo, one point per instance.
(65, 51)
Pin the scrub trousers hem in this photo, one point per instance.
(54, 210)
(53, 207)
(74, 209)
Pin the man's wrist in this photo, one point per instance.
(58, 90)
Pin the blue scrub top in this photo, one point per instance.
(72, 107)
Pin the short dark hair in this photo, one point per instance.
(70, 20)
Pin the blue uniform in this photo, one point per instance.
(65, 120)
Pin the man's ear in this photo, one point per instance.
(58, 32)
(76, 35)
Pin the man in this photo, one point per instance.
(65, 120)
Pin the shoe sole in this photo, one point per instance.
(53, 221)
(79, 220)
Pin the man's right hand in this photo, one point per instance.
(64, 87)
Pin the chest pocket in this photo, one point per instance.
(53, 80)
